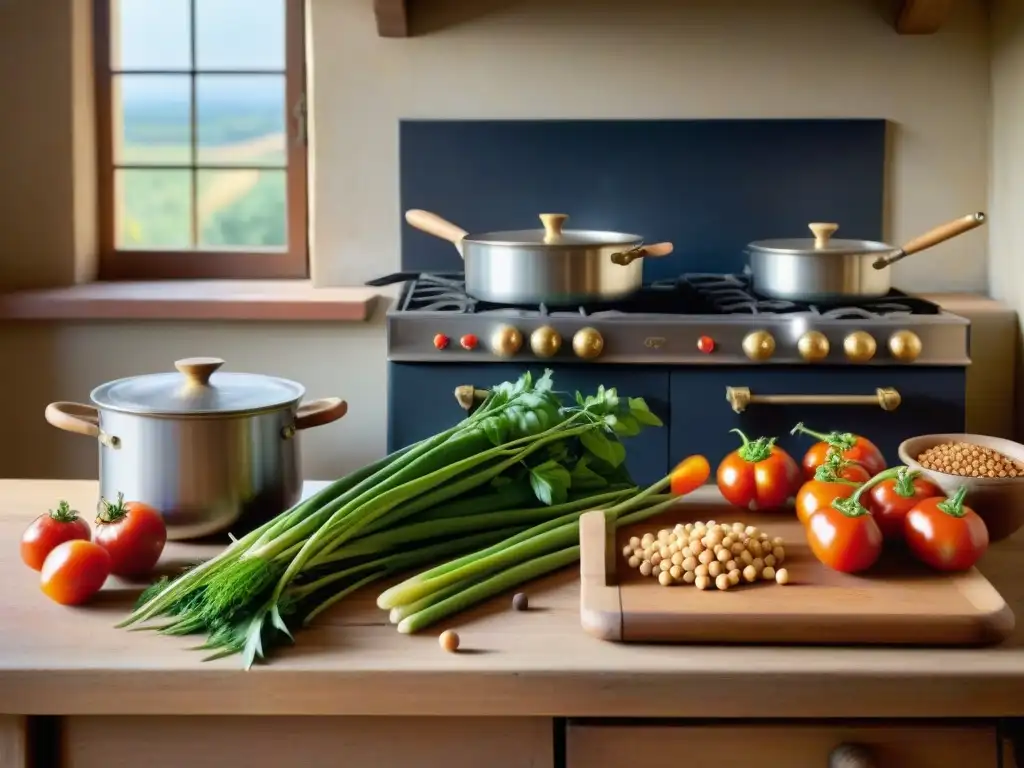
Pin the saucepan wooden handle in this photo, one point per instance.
(649, 251)
(944, 232)
(316, 413)
(940, 234)
(432, 224)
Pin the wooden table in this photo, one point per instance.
(500, 697)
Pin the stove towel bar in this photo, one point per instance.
(740, 398)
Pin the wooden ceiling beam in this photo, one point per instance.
(922, 17)
(392, 18)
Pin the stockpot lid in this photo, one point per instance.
(821, 243)
(197, 389)
(553, 236)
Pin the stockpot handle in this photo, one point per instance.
(81, 420)
(432, 224)
(319, 412)
(74, 417)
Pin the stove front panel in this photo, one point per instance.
(421, 402)
(692, 403)
(932, 400)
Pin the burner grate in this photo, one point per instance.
(691, 294)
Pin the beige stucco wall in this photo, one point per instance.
(489, 58)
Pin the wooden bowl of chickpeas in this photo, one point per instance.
(991, 468)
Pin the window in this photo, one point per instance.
(201, 139)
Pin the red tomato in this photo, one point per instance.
(49, 530)
(74, 571)
(758, 475)
(849, 542)
(815, 495)
(689, 475)
(852, 448)
(945, 534)
(133, 533)
(893, 498)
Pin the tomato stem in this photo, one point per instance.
(844, 441)
(754, 450)
(63, 513)
(111, 511)
(905, 482)
(954, 505)
(830, 470)
(851, 507)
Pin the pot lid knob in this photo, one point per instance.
(198, 370)
(822, 232)
(553, 223)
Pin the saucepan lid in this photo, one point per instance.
(821, 243)
(197, 389)
(553, 235)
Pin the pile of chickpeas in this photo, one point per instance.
(967, 460)
(706, 555)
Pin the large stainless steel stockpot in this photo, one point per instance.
(207, 449)
(829, 270)
(552, 266)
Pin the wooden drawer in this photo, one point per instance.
(778, 746)
(309, 742)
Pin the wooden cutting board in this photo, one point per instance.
(898, 602)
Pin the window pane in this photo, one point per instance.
(243, 209)
(152, 120)
(150, 34)
(241, 119)
(240, 34)
(153, 209)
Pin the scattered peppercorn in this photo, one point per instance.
(967, 460)
(707, 555)
(449, 640)
(520, 601)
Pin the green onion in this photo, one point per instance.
(507, 484)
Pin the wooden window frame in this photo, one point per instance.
(196, 264)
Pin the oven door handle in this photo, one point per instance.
(740, 398)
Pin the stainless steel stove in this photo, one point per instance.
(705, 353)
(697, 319)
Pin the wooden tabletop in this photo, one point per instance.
(58, 660)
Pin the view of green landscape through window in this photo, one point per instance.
(240, 202)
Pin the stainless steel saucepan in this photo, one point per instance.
(823, 269)
(545, 266)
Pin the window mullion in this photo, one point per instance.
(193, 127)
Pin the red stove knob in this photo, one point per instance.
(441, 341)
(469, 341)
(706, 344)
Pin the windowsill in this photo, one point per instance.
(230, 300)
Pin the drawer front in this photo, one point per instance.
(780, 746)
(932, 400)
(433, 408)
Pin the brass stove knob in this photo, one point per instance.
(859, 347)
(905, 346)
(587, 343)
(506, 341)
(813, 346)
(545, 341)
(759, 345)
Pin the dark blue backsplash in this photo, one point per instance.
(709, 186)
